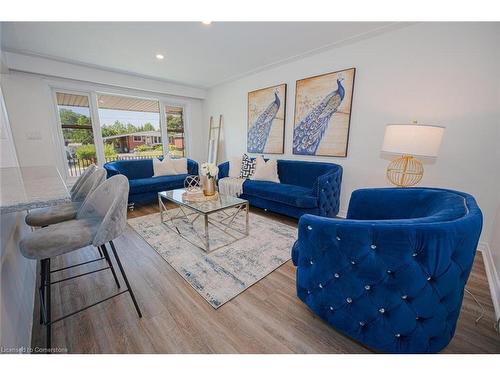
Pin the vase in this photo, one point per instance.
(208, 186)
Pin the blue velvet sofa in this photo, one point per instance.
(392, 274)
(305, 188)
(144, 187)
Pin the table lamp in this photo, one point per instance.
(409, 140)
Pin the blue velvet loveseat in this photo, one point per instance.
(392, 274)
(305, 188)
(144, 187)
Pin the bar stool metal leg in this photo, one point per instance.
(125, 279)
(47, 304)
(110, 264)
(42, 289)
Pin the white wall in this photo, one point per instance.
(437, 73)
(17, 284)
(32, 115)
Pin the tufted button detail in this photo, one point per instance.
(417, 318)
(336, 275)
(338, 238)
(331, 308)
(309, 227)
(311, 262)
(381, 310)
(389, 272)
(367, 287)
(404, 297)
(397, 335)
(308, 292)
(429, 278)
(353, 262)
(349, 300)
(414, 254)
(373, 247)
(320, 286)
(362, 324)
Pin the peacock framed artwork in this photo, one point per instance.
(266, 120)
(323, 114)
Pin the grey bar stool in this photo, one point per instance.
(82, 178)
(101, 219)
(41, 217)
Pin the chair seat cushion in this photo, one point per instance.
(59, 238)
(292, 195)
(156, 184)
(40, 217)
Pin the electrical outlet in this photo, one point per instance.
(34, 135)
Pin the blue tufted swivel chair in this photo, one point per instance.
(391, 275)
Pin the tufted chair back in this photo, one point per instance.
(396, 283)
(86, 173)
(91, 182)
(108, 205)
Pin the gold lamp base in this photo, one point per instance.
(405, 171)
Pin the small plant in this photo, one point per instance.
(109, 151)
(88, 152)
(143, 148)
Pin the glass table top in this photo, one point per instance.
(223, 202)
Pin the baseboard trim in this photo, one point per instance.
(492, 275)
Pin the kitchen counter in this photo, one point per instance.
(25, 188)
(21, 189)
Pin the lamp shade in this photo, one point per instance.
(412, 139)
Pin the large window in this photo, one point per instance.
(76, 123)
(175, 130)
(130, 127)
(98, 127)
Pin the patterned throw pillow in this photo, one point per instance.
(247, 166)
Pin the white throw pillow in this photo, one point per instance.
(169, 167)
(234, 167)
(265, 171)
(180, 165)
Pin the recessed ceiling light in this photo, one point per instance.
(206, 22)
(159, 56)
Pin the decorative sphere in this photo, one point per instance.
(192, 183)
(405, 171)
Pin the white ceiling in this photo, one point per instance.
(195, 54)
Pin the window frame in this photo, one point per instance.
(184, 107)
(59, 129)
(92, 91)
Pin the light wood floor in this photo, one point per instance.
(266, 318)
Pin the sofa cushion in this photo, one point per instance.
(292, 195)
(156, 184)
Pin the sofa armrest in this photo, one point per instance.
(111, 170)
(327, 189)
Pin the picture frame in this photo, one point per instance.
(322, 114)
(266, 120)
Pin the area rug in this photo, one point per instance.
(222, 274)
